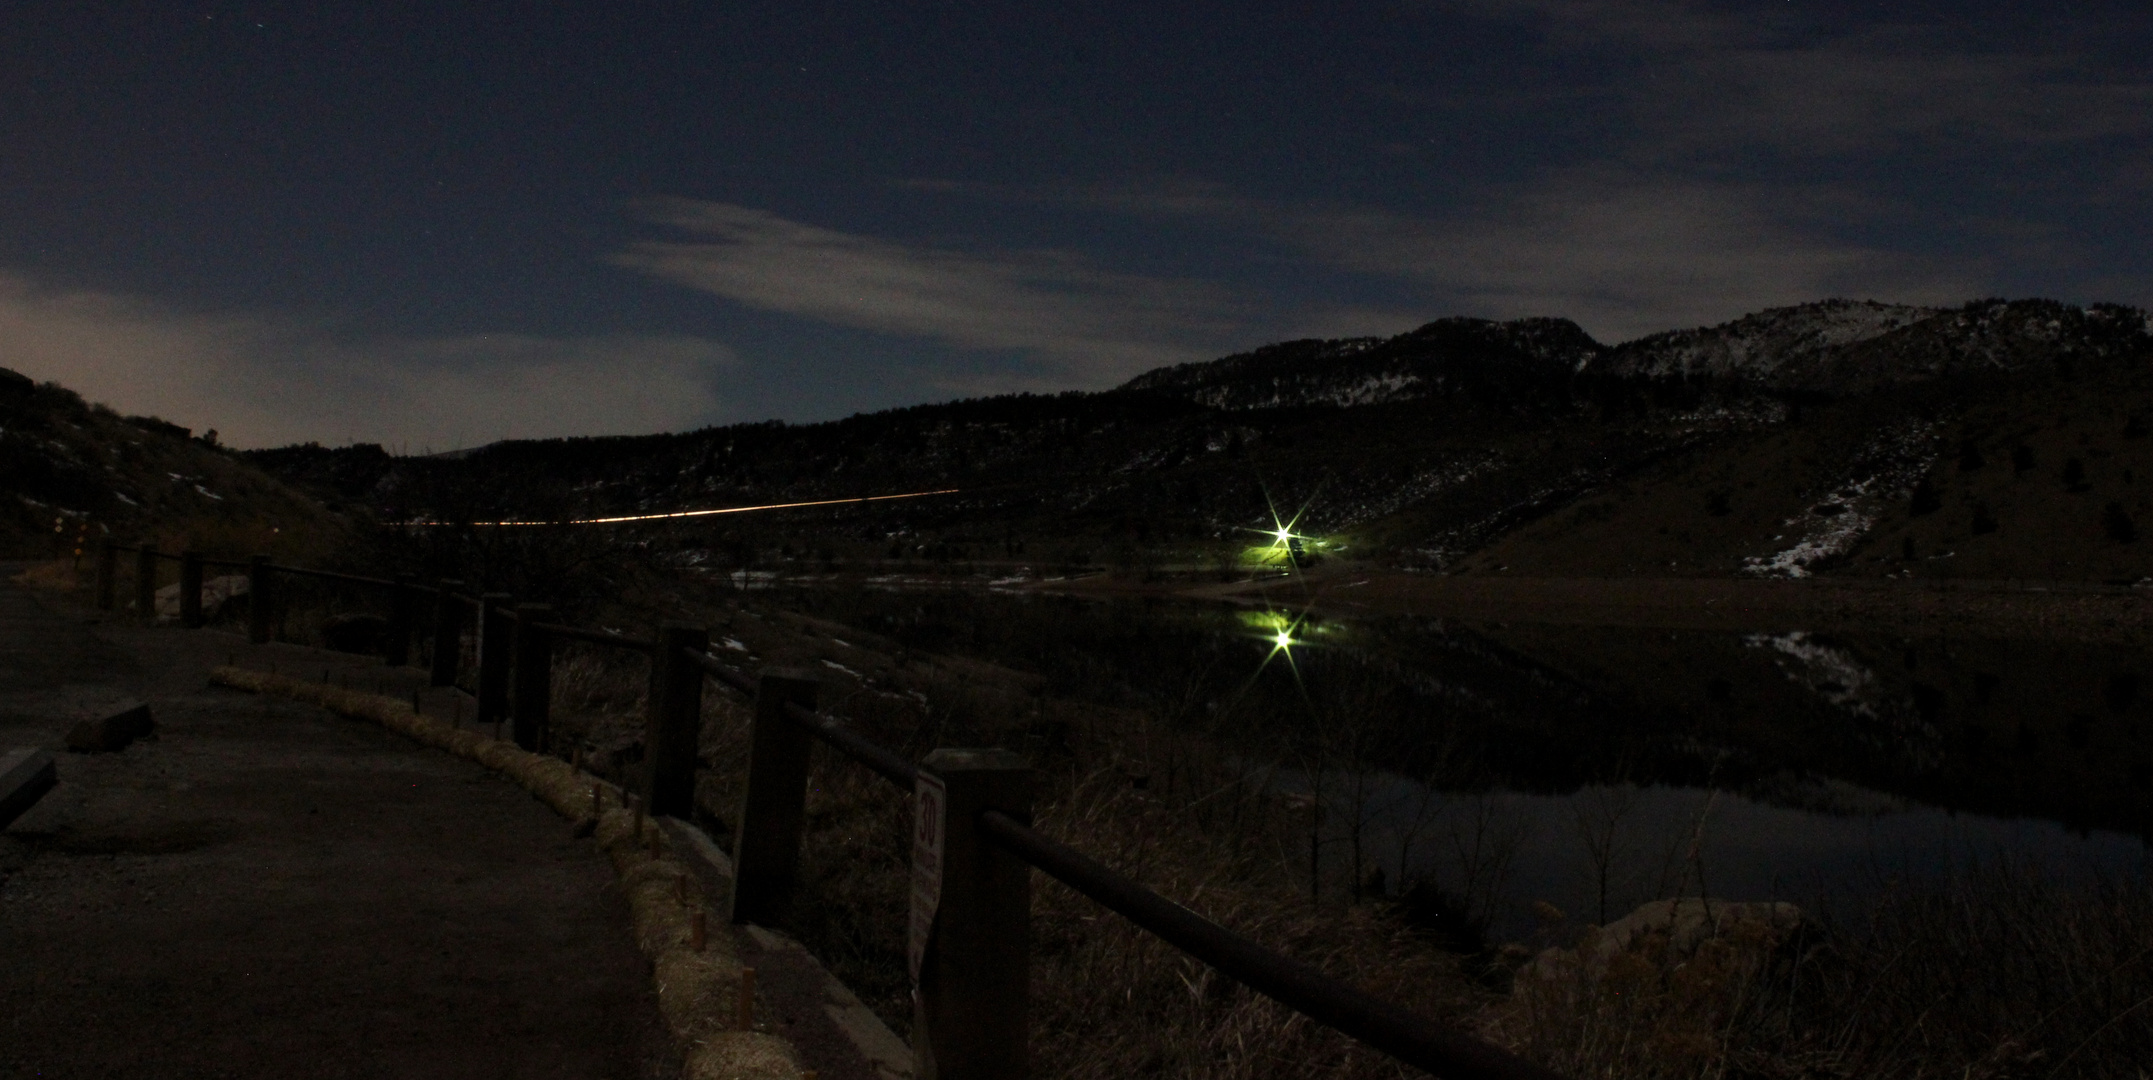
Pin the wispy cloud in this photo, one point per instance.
(1627, 255)
(1071, 318)
(1710, 79)
(1757, 157)
(269, 380)
(1623, 252)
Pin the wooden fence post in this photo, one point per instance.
(448, 633)
(672, 735)
(108, 566)
(258, 599)
(970, 1017)
(766, 845)
(496, 648)
(146, 581)
(190, 589)
(533, 697)
(396, 651)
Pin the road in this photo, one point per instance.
(265, 889)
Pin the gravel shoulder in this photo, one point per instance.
(266, 889)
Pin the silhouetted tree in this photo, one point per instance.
(1927, 499)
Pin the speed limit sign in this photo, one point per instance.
(930, 799)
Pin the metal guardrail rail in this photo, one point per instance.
(330, 575)
(598, 637)
(1412, 1039)
(771, 822)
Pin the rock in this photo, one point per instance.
(218, 593)
(25, 776)
(355, 633)
(112, 732)
(1690, 921)
(1673, 931)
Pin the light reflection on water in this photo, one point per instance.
(1841, 759)
(1760, 766)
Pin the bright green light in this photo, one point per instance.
(1283, 639)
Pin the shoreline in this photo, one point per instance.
(1915, 609)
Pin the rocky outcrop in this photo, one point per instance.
(1841, 347)
(217, 592)
(1673, 932)
(1479, 359)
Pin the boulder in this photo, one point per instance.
(113, 731)
(355, 633)
(1673, 931)
(218, 593)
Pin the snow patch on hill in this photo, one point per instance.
(1890, 466)
(1830, 673)
(1757, 346)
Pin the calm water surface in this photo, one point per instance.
(1611, 766)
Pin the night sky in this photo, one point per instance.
(435, 225)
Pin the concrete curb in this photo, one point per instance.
(25, 776)
(698, 992)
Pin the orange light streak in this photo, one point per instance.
(707, 513)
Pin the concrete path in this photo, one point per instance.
(264, 889)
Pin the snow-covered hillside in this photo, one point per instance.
(1757, 347)
(1473, 357)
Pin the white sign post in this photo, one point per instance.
(930, 809)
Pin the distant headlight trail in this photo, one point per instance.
(625, 518)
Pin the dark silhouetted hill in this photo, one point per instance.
(1826, 437)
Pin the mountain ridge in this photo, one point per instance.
(2003, 438)
(1834, 346)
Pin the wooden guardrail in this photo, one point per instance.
(973, 850)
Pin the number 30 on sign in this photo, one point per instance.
(930, 801)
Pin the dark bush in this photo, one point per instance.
(2074, 475)
(1927, 499)
(2117, 523)
(355, 633)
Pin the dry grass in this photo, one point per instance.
(1999, 972)
(1114, 1001)
(1109, 999)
